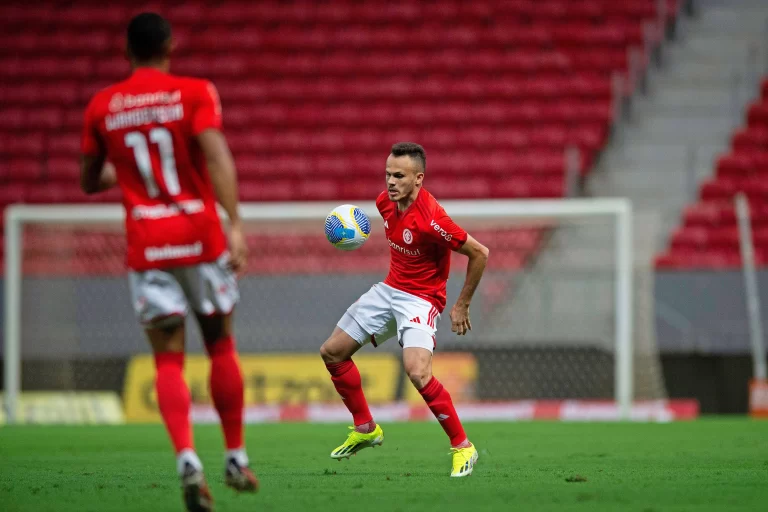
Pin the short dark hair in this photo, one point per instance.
(148, 36)
(413, 150)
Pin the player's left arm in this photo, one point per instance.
(96, 174)
(207, 128)
(477, 254)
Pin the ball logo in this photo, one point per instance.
(407, 236)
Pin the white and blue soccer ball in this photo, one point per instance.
(347, 227)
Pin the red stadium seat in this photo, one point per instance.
(68, 144)
(14, 192)
(56, 193)
(750, 139)
(62, 169)
(23, 145)
(734, 166)
(757, 115)
(29, 170)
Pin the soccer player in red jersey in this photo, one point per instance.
(408, 305)
(161, 135)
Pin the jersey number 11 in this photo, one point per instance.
(164, 140)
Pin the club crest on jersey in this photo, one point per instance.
(407, 236)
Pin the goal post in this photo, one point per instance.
(616, 212)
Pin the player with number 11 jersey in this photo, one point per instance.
(161, 135)
(147, 124)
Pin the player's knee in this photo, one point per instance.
(329, 354)
(419, 375)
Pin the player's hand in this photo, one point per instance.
(460, 323)
(238, 250)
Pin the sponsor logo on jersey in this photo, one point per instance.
(163, 211)
(407, 236)
(403, 250)
(172, 252)
(121, 101)
(448, 237)
(386, 224)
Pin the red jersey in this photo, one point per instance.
(421, 240)
(146, 125)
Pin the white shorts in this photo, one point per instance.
(383, 312)
(164, 297)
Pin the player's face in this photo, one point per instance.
(404, 175)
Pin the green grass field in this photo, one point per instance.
(711, 464)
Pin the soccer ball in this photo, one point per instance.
(347, 227)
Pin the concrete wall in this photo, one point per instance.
(704, 312)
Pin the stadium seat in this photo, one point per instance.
(13, 144)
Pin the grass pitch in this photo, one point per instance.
(707, 465)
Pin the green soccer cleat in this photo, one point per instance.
(464, 460)
(357, 441)
(240, 478)
(196, 495)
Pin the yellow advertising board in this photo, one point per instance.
(281, 379)
(457, 372)
(75, 407)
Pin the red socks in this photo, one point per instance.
(226, 383)
(173, 398)
(439, 401)
(346, 379)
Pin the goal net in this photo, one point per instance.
(553, 332)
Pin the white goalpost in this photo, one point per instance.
(505, 323)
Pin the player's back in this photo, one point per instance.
(148, 126)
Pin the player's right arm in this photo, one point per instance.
(221, 168)
(96, 175)
(444, 231)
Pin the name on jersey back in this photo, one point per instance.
(157, 107)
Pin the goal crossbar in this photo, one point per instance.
(16, 216)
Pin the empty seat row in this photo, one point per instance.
(716, 214)
(306, 189)
(721, 237)
(435, 88)
(342, 165)
(705, 259)
(239, 13)
(252, 66)
(528, 116)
